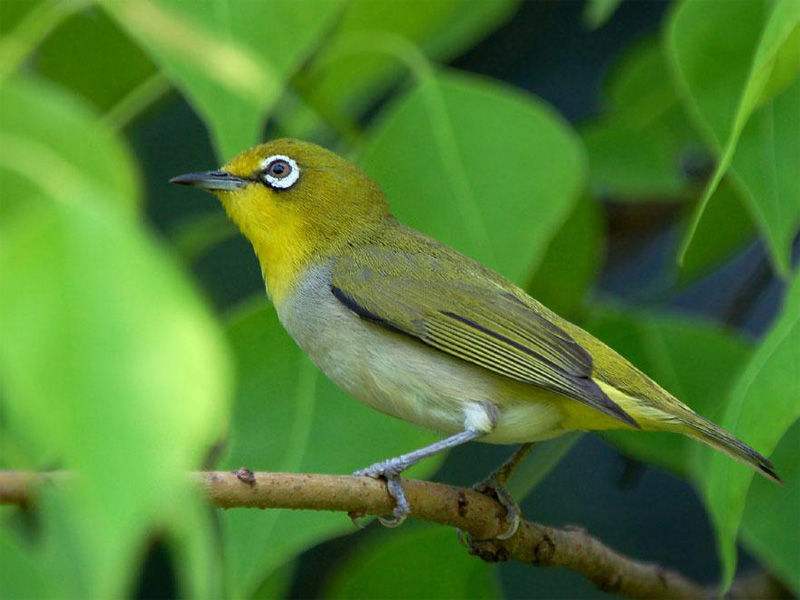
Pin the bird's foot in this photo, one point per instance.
(390, 470)
(494, 489)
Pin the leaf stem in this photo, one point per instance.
(136, 101)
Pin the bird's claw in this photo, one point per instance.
(401, 508)
(495, 490)
(391, 475)
(380, 470)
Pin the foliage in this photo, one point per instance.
(114, 366)
(772, 373)
(437, 117)
(409, 565)
(745, 94)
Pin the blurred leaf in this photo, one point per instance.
(772, 138)
(24, 25)
(636, 148)
(277, 585)
(763, 405)
(287, 417)
(344, 84)
(108, 357)
(93, 370)
(724, 78)
(12, 13)
(572, 260)
(785, 68)
(694, 360)
(50, 141)
(195, 544)
(468, 22)
(230, 61)
(725, 229)
(630, 163)
(21, 575)
(196, 235)
(771, 521)
(597, 12)
(543, 459)
(87, 48)
(413, 562)
(493, 172)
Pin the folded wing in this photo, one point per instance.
(471, 318)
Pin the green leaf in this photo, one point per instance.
(636, 147)
(342, 84)
(785, 68)
(197, 234)
(109, 359)
(692, 359)
(287, 417)
(24, 25)
(725, 79)
(13, 13)
(52, 142)
(21, 575)
(87, 47)
(771, 139)
(459, 29)
(763, 405)
(771, 524)
(544, 457)
(277, 585)
(597, 12)
(725, 229)
(477, 165)
(194, 542)
(110, 365)
(231, 63)
(413, 562)
(572, 260)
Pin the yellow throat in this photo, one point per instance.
(326, 202)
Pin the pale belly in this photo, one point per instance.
(403, 377)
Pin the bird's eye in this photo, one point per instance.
(279, 168)
(279, 172)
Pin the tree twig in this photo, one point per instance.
(476, 514)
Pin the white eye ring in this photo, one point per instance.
(284, 182)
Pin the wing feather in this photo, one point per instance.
(475, 320)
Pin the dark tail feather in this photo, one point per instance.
(718, 438)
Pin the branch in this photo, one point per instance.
(470, 511)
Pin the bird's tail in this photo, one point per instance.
(673, 415)
(705, 431)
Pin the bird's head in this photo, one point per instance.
(295, 201)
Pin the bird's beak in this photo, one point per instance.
(211, 180)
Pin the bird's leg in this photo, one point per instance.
(390, 471)
(494, 486)
(504, 471)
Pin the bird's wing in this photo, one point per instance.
(469, 316)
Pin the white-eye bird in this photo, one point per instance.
(421, 332)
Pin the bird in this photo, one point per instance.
(421, 332)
